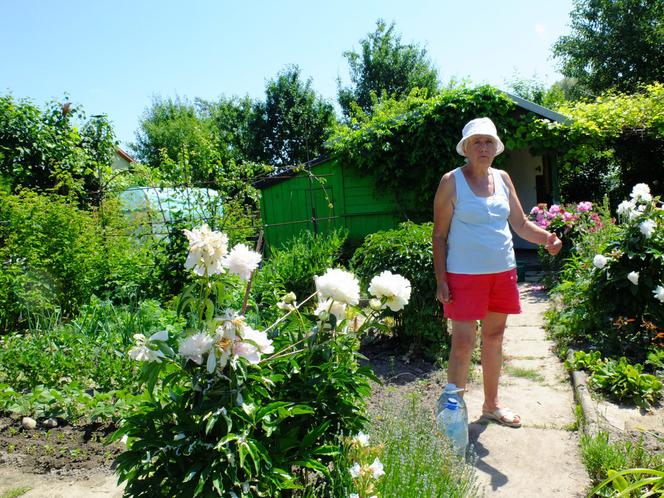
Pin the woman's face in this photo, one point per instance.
(480, 148)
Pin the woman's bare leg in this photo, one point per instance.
(463, 343)
(493, 329)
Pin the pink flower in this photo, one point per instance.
(555, 209)
(582, 207)
(568, 216)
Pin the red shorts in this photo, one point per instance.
(473, 296)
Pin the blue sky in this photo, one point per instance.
(114, 57)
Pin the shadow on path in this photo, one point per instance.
(478, 451)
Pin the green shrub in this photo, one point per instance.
(611, 293)
(233, 410)
(625, 382)
(292, 268)
(90, 350)
(50, 253)
(55, 256)
(407, 250)
(619, 380)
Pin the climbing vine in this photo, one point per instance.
(407, 145)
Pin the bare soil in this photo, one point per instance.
(66, 450)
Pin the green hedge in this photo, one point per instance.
(407, 250)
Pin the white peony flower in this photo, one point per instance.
(600, 261)
(625, 208)
(659, 293)
(633, 277)
(195, 346)
(247, 351)
(641, 192)
(353, 495)
(258, 339)
(207, 249)
(376, 468)
(242, 261)
(143, 352)
(355, 470)
(339, 285)
(333, 307)
(231, 319)
(392, 286)
(648, 227)
(361, 439)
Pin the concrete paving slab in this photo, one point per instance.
(526, 348)
(538, 405)
(547, 370)
(528, 462)
(628, 418)
(542, 458)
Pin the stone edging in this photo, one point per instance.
(579, 382)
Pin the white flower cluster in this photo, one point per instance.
(374, 470)
(647, 228)
(339, 285)
(600, 261)
(362, 440)
(640, 198)
(232, 339)
(207, 249)
(148, 349)
(392, 287)
(208, 254)
(659, 293)
(337, 289)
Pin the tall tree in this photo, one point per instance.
(385, 66)
(171, 131)
(231, 118)
(614, 44)
(44, 149)
(291, 125)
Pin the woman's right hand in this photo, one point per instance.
(443, 293)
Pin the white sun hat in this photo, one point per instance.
(479, 126)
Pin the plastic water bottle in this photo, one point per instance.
(452, 391)
(451, 422)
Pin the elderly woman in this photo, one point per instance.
(474, 258)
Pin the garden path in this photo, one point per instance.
(542, 458)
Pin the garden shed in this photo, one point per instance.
(326, 193)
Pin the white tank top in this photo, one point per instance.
(479, 240)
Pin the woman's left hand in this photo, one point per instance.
(553, 244)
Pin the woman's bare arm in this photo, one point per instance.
(525, 228)
(443, 207)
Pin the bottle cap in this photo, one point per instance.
(452, 404)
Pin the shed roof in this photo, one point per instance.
(289, 172)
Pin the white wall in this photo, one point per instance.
(522, 168)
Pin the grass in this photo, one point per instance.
(524, 373)
(15, 492)
(600, 454)
(418, 462)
